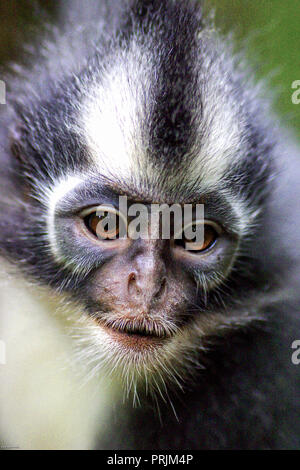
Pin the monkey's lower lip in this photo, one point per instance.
(134, 340)
(135, 336)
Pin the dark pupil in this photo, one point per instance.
(210, 236)
(104, 226)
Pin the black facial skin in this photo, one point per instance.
(244, 391)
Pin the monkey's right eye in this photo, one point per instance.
(105, 223)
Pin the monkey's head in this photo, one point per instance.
(158, 115)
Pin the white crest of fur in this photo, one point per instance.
(112, 112)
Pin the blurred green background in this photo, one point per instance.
(269, 30)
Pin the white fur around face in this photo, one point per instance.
(53, 195)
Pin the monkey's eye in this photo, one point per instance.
(105, 223)
(198, 237)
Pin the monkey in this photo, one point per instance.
(140, 342)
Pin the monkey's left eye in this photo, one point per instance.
(105, 223)
(198, 237)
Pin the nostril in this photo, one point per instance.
(133, 287)
(146, 288)
(160, 290)
(131, 277)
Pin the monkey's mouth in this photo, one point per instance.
(138, 332)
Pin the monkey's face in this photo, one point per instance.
(149, 281)
(145, 279)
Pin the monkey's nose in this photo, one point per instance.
(146, 289)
